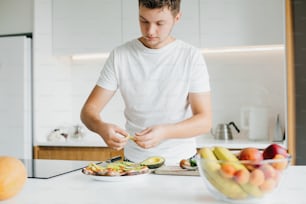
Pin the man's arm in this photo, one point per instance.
(90, 116)
(201, 120)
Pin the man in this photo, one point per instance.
(165, 87)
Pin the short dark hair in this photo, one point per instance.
(173, 5)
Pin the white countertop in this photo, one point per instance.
(77, 188)
(205, 140)
(236, 143)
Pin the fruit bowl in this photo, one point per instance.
(233, 180)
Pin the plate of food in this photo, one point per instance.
(116, 171)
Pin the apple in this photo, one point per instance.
(251, 154)
(273, 149)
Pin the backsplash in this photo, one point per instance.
(61, 85)
(241, 80)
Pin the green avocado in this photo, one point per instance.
(153, 162)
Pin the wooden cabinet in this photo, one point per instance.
(241, 22)
(75, 153)
(90, 26)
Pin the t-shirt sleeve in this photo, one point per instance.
(199, 75)
(107, 78)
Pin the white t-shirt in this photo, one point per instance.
(154, 84)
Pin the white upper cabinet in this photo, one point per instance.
(130, 20)
(241, 22)
(188, 28)
(94, 26)
(89, 26)
(16, 16)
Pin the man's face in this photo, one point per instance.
(156, 26)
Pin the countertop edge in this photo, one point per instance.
(201, 141)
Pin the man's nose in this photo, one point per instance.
(151, 29)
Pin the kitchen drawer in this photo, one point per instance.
(75, 153)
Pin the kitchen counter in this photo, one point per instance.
(236, 143)
(77, 188)
(203, 140)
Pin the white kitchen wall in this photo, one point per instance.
(61, 85)
(247, 79)
(52, 77)
(84, 76)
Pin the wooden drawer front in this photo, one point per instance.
(75, 153)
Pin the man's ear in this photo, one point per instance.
(177, 17)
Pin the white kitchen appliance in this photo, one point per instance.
(16, 97)
(255, 119)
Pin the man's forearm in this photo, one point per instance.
(193, 126)
(91, 120)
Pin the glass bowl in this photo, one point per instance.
(242, 181)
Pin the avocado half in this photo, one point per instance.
(153, 162)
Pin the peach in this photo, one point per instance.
(241, 176)
(227, 170)
(257, 177)
(251, 154)
(279, 165)
(268, 171)
(268, 185)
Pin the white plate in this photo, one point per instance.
(117, 178)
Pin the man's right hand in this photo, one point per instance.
(113, 136)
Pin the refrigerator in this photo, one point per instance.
(16, 99)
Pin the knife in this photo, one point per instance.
(108, 161)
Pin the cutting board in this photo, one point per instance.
(175, 170)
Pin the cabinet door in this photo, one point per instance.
(86, 26)
(241, 22)
(187, 28)
(75, 153)
(130, 20)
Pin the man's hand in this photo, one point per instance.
(113, 136)
(199, 123)
(150, 137)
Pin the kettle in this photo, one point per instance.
(224, 132)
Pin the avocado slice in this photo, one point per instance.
(153, 162)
